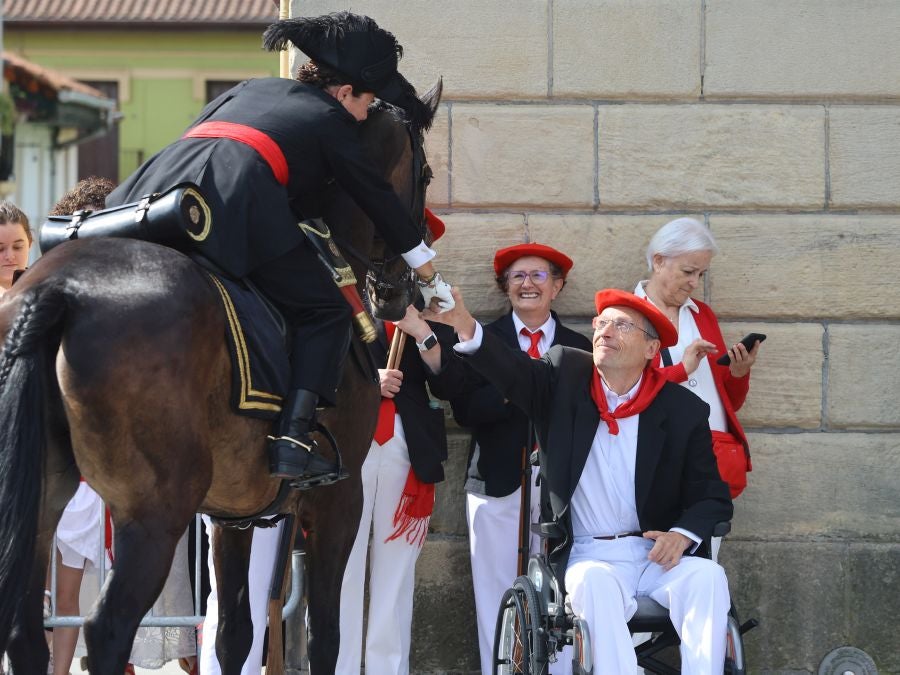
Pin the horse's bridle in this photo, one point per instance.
(376, 282)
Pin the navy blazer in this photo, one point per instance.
(423, 425)
(677, 482)
(500, 429)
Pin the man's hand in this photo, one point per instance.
(458, 317)
(391, 380)
(668, 549)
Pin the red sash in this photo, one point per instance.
(256, 139)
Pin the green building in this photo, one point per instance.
(160, 61)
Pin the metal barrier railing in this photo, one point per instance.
(153, 620)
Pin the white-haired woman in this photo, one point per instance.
(678, 256)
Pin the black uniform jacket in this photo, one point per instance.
(677, 483)
(500, 429)
(423, 425)
(254, 218)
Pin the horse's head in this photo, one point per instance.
(395, 139)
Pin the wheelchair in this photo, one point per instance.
(535, 622)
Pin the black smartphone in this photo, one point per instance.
(748, 341)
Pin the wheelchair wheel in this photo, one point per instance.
(519, 645)
(582, 656)
(734, 646)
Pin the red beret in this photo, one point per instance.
(611, 297)
(435, 225)
(507, 256)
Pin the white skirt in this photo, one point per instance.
(79, 535)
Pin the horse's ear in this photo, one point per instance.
(432, 97)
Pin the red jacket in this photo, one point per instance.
(732, 390)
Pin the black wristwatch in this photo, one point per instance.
(428, 343)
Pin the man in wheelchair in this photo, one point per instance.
(630, 475)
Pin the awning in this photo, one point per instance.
(44, 96)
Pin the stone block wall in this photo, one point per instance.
(587, 124)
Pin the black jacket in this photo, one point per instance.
(677, 483)
(254, 218)
(423, 425)
(500, 429)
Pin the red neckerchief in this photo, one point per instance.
(651, 384)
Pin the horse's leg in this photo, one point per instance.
(328, 546)
(144, 549)
(231, 555)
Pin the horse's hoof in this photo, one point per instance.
(319, 480)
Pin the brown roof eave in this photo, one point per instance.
(178, 26)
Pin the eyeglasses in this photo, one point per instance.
(624, 327)
(536, 276)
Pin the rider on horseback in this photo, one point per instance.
(264, 154)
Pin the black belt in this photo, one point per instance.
(620, 536)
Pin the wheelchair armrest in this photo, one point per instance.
(549, 530)
(721, 529)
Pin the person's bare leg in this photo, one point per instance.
(68, 587)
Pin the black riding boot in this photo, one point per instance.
(292, 453)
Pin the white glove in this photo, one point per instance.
(437, 288)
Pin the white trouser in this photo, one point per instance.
(263, 550)
(603, 580)
(493, 550)
(392, 567)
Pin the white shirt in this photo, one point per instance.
(603, 502)
(701, 381)
(548, 328)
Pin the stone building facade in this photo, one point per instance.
(587, 124)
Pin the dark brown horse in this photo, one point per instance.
(115, 367)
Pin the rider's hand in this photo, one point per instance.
(436, 293)
(390, 380)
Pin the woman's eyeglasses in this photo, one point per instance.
(624, 327)
(536, 276)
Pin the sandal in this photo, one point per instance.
(48, 604)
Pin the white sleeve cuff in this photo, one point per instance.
(418, 256)
(473, 345)
(690, 535)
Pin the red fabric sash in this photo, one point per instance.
(651, 384)
(256, 139)
(414, 511)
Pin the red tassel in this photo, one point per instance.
(414, 511)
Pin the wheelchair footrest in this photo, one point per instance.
(749, 625)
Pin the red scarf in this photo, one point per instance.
(414, 511)
(651, 384)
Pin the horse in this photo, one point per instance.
(114, 367)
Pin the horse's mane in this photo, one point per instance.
(415, 112)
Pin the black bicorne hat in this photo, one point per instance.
(353, 45)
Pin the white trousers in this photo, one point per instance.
(263, 550)
(493, 551)
(392, 567)
(603, 581)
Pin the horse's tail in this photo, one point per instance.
(33, 335)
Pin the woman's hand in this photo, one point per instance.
(413, 325)
(742, 360)
(390, 380)
(695, 352)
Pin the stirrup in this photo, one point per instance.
(325, 478)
